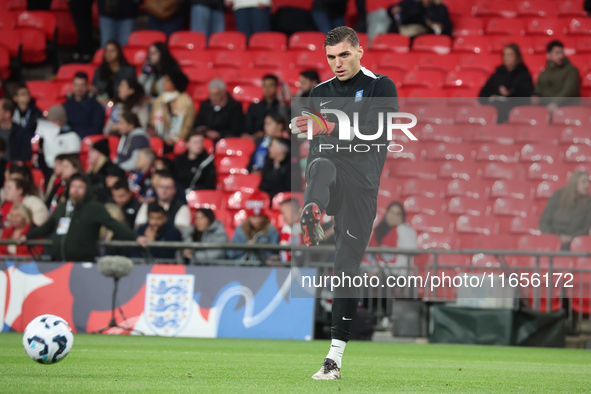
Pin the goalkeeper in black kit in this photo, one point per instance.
(345, 162)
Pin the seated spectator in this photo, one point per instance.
(133, 139)
(130, 97)
(26, 112)
(116, 20)
(159, 228)
(113, 69)
(85, 114)
(256, 229)
(251, 17)
(255, 116)
(290, 232)
(114, 175)
(107, 235)
(393, 231)
(414, 17)
(559, 83)
(17, 139)
(512, 79)
(275, 127)
(20, 192)
(18, 224)
(125, 200)
(23, 172)
(173, 113)
(75, 225)
(99, 163)
(205, 230)
(207, 16)
(328, 14)
(140, 179)
(220, 116)
(70, 165)
(277, 170)
(159, 63)
(194, 169)
(568, 212)
(178, 213)
(308, 79)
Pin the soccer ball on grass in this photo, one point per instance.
(48, 339)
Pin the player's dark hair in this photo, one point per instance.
(382, 229)
(208, 213)
(273, 77)
(121, 184)
(81, 75)
(312, 75)
(341, 34)
(154, 207)
(553, 45)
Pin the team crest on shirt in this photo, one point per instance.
(359, 96)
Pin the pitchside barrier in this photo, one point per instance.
(467, 277)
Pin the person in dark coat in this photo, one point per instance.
(17, 139)
(86, 115)
(220, 115)
(277, 170)
(100, 164)
(508, 84)
(414, 17)
(26, 112)
(158, 228)
(255, 116)
(194, 169)
(126, 201)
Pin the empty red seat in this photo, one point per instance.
(476, 189)
(544, 242)
(135, 56)
(477, 225)
(234, 147)
(578, 154)
(503, 8)
(308, 40)
(458, 170)
(144, 38)
(187, 57)
(390, 42)
(492, 241)
(412, 151)
(310, 60)
(432, 43)
(483, 115)
(42, 90)
(546, 189)
(489, 134)
(437, 241)
(422, 92)
(474, 44)
(230, 40)
(540, 8)
(7, 20)
(433, 61)
(247, 94)
(500, 170)
(575, 135)
(504, 26)
(529, 114)
(572, 116)
(525, 225)
(232, 164)
(239, 182)
(419, 169)
(546, 171)
(468, 26)
(232, 59)
(41, 20)
(570, 8)
(579, 26)
(212, 199)
(200, 76)
(481, 62)
(449, 152)
(527, 134)
(11, 40)
(465, 79)
(33, 43)
(190, 40)
(468, 206)
(511, 188)
(428, 114)
(66, 72)
(512, 207)
(441, 133)
(432, 224)
(544, 26)
(270, 40)
(424, 79)
(497, 152)
(422, 204)
(423, 187)
(540, 152)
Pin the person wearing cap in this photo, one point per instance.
(133, 139)
(256, 229)
(17, 139)
(277, 169)
(173, 113)
(99, 163)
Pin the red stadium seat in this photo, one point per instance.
(420, 169)
(38, 178)
(42, 20)
(14, 5)
(135, 56)
(200, 76)
(66, 72)
(527, 134)
(540, 152)
(266, 59)
(546, 189)
(270, 41)
(247, 94)
(407, 62)
(443, 63)
(423, 187)
(486, 8)
(42, 90)
(544, 242)
(33, 45)
(504, 26)
(280, 197)
(579, 26)
(474, 44)
(67, 35)
(468, 26)
(423, 79)
(157, 146)
(499, 170)
(426, 205)
(489, 134)
(432, 224)
(492, 241)
(7, 21)
(465, 80)
(190, 40)
(187, 57)
(234, 147)
(543, 26)
(512, 207)
(539, 8)
(144, 38)
(575, 135)
(468, 206)
(458, 170)
(485, 225)
(390, 42)
(233, 59)
(449, 152)
(573, 116)
(198, 93)
(241, 199)
(437, 241)
(310, 60)
(571, 8)
(529, 114)
(497, 152)
(432, 43)
(230, 40)
(511, 188)
(525, 225)
(441, 133)
(482, 62)
(11, 40)
(212, 199)
(418, 93)
(476, 189)
(483, 115)
(234, 183)
(307, 40)
(578, 154)
(231, 164)
(546, 171)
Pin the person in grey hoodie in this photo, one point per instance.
(133, 139)
(206, 230)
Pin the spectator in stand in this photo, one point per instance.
(178, 213)
(159, 62)
(20, 192)
(290, 234)
(568, 212)
(173, 113)
(194, 169)
(308, 79)
(99, 163)
(256, 229)
(207, 16)
(559, 82)
(510, 82)
(393, 231)
(117, 19)
(140, 179)
(75, 225)
(114, 175)
(159, 228)
(255, 116)
(85, 114)
(19, 224)
(69, 166)
(125, 200)
(166, 16)
(415, 17)
(26, 113)
(3, 162)
(220, 116)
(275, 127)
(328, 14)
(24, 173)
(17, 139)
(205, 230)
(113, 69)
(82, 15)
(133, 139)
(252, 16)
(277, 169)
(130, 97)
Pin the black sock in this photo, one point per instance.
(321, 176)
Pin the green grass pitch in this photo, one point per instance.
(123, 364)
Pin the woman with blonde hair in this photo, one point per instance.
(19, 224)
(568, 212)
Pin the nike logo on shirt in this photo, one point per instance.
(344, 318)
(324, 103)
(349, 234)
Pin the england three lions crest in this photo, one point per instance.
(168, 303)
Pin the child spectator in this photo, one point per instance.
(130, 97)
(205, 230)
(277, 170)
(133, 139)
(159, 228)
(139, 180)
(194, 169)
(19, 224)
(26, 113)
(256, 229)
